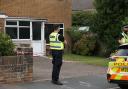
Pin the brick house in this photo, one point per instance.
(31, 21)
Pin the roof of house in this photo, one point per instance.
(82, 4)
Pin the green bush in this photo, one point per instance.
(86, 45)
(6, 45)
(75, 34)
(83, 42)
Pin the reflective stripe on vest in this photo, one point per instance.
(125, 39)
(54, 42)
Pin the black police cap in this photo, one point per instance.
(126, 26)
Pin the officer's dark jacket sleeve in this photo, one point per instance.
(61, 38)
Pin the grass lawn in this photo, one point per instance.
(91, 60)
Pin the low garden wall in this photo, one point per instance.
(17, 68)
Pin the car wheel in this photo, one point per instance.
(123, 86)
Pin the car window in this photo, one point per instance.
(122, 52)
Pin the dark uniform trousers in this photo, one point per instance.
(57, 63)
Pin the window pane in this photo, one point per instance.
(24, 23)
(11, 23)
(48, 29)
(61, 31)
(12, 32)
(24, 33)
(36, 30)
(61, 26)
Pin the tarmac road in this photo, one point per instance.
(74, 75)
(86, 82)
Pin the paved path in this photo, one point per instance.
(74, 75)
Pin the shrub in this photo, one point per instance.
(6, 45)
(86, 45)
(75, 35)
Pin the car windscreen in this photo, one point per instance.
(122, 52)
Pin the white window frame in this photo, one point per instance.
(17, 26)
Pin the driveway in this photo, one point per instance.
(43, 69)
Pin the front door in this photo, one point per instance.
(38, 38)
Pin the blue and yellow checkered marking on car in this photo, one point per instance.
(118, 64)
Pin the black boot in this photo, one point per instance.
(57, 82)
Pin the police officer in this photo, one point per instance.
(124, 39)
(57, 47)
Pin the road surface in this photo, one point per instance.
(74, 75)
(86, 82)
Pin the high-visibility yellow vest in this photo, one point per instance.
(124, 39)
(54, 42)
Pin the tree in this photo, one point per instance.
(82, 18)
(125, 21)
(108, 22)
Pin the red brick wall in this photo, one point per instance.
(53, 10)
(1, 25)
(17, 68)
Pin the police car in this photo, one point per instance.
(118, 67)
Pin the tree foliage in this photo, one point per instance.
(108, 22)
(75, 34)
(82, 18)
(125, 21)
